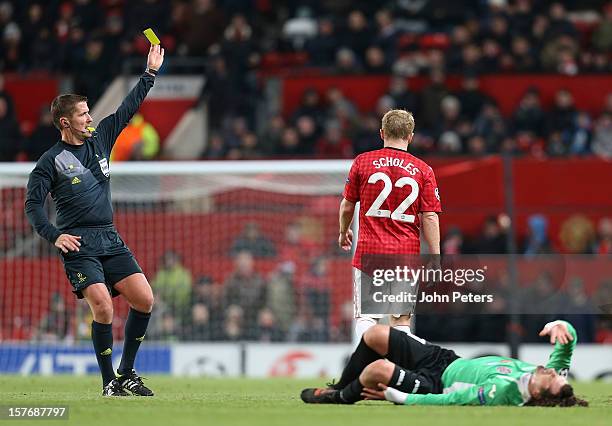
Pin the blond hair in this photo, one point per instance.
(398, 124)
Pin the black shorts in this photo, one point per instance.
(102, 258)
(420, 357)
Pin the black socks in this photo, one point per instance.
(360, 359)
(135, 329)
(410, 382)
(102, 337)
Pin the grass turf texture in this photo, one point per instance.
(180, 401)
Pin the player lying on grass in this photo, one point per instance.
(404, 369)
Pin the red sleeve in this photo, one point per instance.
(351, 188)
(430, 197)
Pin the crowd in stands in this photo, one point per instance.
(91, 40)
(287, 304)
(241, 41)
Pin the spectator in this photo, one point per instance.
(290, 145)
(55, 326)
(431, 97)
(280, 294)
(581, 135)
(529, 116)
(453, 242)
(10, 135)
(271, 138)
(138, 141)
(45, 135)
(333, 144)
(490, 126)
(537, 236)
(267, 328)
(166, 328)
(375, 61)
(233, 326)
(300, 28)
(253, 241)
(524, 58)
(470, 97)
(172, 285)
(357, 34)
(603, 244)
(580, 310)
(308, 328)
(316, 289)
(577, 235)
(368, 136)
(210, 294)
(602, 36)
(199, 327)
(322, 47)
(403, 98)
(308, 133)
(492, 239)
(199, 26)
(245, 288)
(347, 62)
(602, 136)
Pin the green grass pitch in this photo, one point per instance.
(181, 401)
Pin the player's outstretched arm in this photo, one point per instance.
(111, 126)
(563, 335)
(345, 238)
(493, 392)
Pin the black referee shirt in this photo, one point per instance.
(78, 176)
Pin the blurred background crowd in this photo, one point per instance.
(242, 41)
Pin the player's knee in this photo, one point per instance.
(144, 303)
(148, 302)
(103, 311)
(379, 371)
(377, 338)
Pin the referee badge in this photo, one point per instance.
(104, 167)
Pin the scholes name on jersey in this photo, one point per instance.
(395, 162)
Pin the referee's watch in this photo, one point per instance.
(151, 71)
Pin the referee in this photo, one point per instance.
(97, 262)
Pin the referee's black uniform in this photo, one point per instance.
(78, 178)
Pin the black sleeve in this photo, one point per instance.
(110, 127)
(39, 185)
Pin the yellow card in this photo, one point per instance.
(151, 36)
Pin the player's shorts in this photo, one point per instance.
(359, 277)
(102, 258)
(415, 354)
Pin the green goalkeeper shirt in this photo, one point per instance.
(493, 380)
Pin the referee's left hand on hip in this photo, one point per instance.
(67, 242)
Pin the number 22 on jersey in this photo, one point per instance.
(399, 212)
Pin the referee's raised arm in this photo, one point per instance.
(111, 126)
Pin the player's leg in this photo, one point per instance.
(379, 342)
(390, 374)
(136, 290)
(362, 322)
(401, 323)
(101, 306)
(86, 276)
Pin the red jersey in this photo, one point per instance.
(393, 187)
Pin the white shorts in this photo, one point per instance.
(357, 296)
(357, 274)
